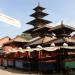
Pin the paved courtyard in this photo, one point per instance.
(11, 71)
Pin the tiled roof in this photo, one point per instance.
(4, 40)
(20, 39)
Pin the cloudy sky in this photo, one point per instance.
(19, 10)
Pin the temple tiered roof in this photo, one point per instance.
(38, 7)
(62, 30)
(61, 41)
(40, 25)
(38, 22)
(38, 15)
(40, 40)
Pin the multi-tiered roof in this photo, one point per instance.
(49, 44)
(40, 25)
(63, 35)
(62, 30)
(38, 15)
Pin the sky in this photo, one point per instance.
(21, 9)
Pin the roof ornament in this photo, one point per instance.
(65, 44)
(28, 47)
(20, 48)
(39, 46)
(38, 3)
(53, 34)
(62, 22)
(53, 44)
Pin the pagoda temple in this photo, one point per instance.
(39, 32)
(58, 38)
(50, 48)
(39, 23)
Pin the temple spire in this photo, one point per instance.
(38, 15)
(38, 3)
(62, 22)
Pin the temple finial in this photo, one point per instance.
(38, 3)
(62, 22)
